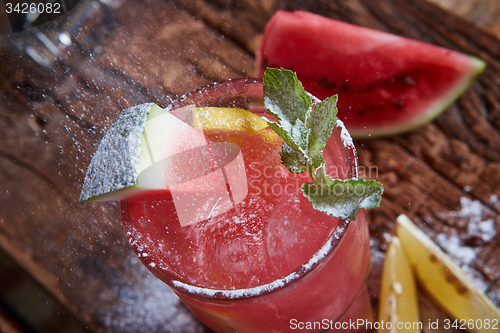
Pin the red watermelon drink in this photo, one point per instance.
(252, 255)
(272, 262)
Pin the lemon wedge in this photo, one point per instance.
(398, 306)
(227, 124)
(227, 119)
(453, 290)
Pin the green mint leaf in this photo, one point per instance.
(305, 129)
(293, 160)
(286, 137)
(285, 97)
(300, 135)
(321, 121)
(342, 198)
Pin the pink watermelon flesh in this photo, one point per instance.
(386, 84)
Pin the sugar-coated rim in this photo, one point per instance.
(235, 294)
(327, 249)
(212, 86)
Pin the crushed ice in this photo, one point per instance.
(255, 291)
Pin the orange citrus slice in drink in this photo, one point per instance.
(227, 124)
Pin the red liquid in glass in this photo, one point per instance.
(271, 263)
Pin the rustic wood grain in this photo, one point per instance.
(52, 119)
(483, 13)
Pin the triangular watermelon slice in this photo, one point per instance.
(386, 84)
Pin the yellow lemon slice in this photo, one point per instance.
(446, 282)
(227, 119)
(398, 306)
(227, 124)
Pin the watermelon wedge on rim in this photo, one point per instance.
(386, 84)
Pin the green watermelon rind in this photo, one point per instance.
(431, 113)
(114, 169)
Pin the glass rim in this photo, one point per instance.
(212, 86)
(325, 251)
(328, 248)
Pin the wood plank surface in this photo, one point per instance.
(483, 13)
(445, 175)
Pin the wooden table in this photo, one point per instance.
(483, 13)
(445, 175)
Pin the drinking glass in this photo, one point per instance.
(267, 261)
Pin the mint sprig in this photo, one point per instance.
(305, 129)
